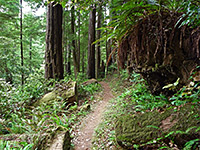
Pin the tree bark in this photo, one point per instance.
(98, 52)
(73, 41)
(67, 47)
(64, 40)
(91, 46)
(49, 43)
(68, 67)
(53, 56)
(82, 61)
(79, 43)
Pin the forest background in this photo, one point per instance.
(91, 33)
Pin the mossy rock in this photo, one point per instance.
(143, 128)
(57, 139)
(66, 92)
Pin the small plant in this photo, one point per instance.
(136, 99)
(193, 144)
(89, 89)
(8, 145)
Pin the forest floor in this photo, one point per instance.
(87, 129)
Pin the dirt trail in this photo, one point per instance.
(84, 140)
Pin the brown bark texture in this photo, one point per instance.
(53, 55)
(91, 46)
(98, 53)
(161, 51)
(79, 41)
(74, 41)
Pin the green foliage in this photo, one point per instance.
(125, 15)
(36, 84)
(191, 144)
(16, 113)
(186, 95)
(19, 116)
(110, 69)
(33, 39)
(8, 145)
(13, 99)
(89, 89)
(191, 13)
(136, 98)
(141, 97)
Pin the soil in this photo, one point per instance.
(84, 139)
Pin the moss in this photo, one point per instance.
(45, 141)
(146, 127)
(186, 118)
(67, 93)
(139, 129)
(48, 98)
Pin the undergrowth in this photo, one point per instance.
(18, 116)
(133, 97)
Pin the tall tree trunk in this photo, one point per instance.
(53, 56)
(58, 57)
(82, 61)
(98, 52)
(67, 47)
(49, 43)
(91, 46)
(73, 41)
(64, 40)
(68, 67)
(109, 50)
(79, 43)
(21, 45)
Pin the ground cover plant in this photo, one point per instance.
(48, 47)
(22, 124)
(137, 99)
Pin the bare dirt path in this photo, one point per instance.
(84, 140)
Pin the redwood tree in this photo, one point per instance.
(98, 52)
(73, 40)
(91, 46)
(79, 41)
(53, 55)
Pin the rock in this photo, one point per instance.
(67, 141)
(67, 92)
(90, 82)
(62, 141)
(143, 128)
(59, 139)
